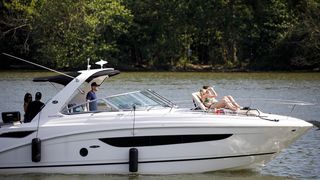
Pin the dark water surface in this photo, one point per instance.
(271, 92)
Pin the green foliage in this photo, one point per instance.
(16, 25)
(301, 48)
(273, 20)
(159, 34)
(72, 31)
(232, 33)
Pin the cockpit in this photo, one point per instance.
(73, 98)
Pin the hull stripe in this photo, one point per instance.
(138, 141)
(140, 162)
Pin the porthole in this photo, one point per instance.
(83, 152)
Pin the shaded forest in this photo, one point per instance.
(174, 35)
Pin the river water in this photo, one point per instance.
(294, 94)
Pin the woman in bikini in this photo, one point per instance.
(208, 95)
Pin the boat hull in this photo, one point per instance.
(243, 147)
(151, 167)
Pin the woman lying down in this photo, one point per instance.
(208, 97)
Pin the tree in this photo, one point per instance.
(16, 25)
(256, 34)
(273, 20)
(71, 31)
(301, 48)
(154, 35)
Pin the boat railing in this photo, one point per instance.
(158, 97)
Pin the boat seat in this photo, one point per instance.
(197, 102)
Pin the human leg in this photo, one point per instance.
(224, 103)
(219, 104)
(229, 104)
(233, 101)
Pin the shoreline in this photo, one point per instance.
(234, 70)
(187, 68)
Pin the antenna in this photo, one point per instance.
(88, 65)
(38, 65)
(101, 63)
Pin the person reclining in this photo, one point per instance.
(208, 97)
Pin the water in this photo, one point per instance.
(269, 92)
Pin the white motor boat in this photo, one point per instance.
(137, 132)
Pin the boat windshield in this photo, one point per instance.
(141, 100)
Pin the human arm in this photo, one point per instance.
(25, 106)
(88, 99)
(212, 92)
